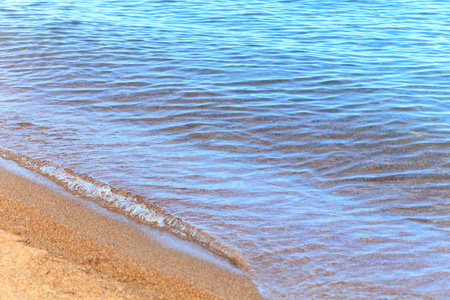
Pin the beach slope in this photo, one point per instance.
(52, 245)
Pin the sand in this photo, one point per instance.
(54, 245)
(29, 272)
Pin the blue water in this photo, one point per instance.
(307, 141)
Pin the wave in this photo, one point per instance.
(136, 207)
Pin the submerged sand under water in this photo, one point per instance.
(307, 141)
(57, 246)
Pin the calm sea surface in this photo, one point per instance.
(306, 141)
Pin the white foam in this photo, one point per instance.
(129, 205)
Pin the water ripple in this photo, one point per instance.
(311, 137)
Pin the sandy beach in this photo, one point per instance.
(53, 246)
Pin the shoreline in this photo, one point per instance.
(83, 245)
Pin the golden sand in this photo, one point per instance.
(52, 247)
(32, 273)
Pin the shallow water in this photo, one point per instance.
(308, 141)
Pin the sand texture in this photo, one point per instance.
(52, 247)
(32, 273)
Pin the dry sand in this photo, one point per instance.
(52, 246)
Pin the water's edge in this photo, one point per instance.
(125, 203)
(307, 142)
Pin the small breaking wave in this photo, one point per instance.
(125, 203)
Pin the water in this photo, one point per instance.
(307, 141)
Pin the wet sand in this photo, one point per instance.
(54, 246)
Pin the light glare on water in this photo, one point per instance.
(311, 139)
